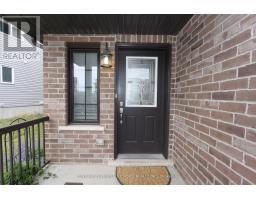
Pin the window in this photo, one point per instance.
(4, 27)
(84, 86)
(7, 75)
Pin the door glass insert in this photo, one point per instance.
(141, 81)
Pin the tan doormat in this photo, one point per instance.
(150, 175)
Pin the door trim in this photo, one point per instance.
(147, 46)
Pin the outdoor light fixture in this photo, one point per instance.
(106, 58)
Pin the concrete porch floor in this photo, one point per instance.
(89, 174)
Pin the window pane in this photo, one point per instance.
(91, 78)
(79, 112)
(6, 28)
(141, 81)
(91, 112)
(85, 70)
(91, 70)
(91, 96)
(7, 74)
(91, 60)
(79, 85)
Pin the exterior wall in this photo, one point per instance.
(78, 143)
(215, 100)
(27, 89)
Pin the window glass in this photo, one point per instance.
(4, 27)
(79, 85)
(7, 75)
(85, 87)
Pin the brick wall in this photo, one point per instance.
(215, 100)
(74, 145)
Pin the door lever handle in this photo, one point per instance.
(121, 111)
(121, 118)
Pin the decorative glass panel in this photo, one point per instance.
(85, 80)
(141, 81)
(7, 75)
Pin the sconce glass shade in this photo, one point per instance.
(106, 58)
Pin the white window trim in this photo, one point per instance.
(156, 79)
(3, 82)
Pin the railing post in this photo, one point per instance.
(33, 146)
(1, 162)
(44, 141)
(26, 147)
(20, 153)
(6, 152)
(11, 155)
(39, 146)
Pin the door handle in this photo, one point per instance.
(121, 103)
(121, 110)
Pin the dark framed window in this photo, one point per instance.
(84, 84)
(7, 75)
(4, 27)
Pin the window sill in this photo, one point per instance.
(7, 83)
(81, 128)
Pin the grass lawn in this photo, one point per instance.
(6, 122)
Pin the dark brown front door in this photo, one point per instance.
(142, 91)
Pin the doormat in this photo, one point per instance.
(143, 175)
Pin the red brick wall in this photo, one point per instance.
(215, 100)
(79, 146)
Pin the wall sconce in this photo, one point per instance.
(106, 58)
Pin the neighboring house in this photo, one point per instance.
(21, 77)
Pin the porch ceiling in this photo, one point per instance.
(113, 24)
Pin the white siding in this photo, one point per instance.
(28, 80)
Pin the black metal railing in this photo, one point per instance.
(22, 150)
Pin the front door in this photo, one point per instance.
(142, 91)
